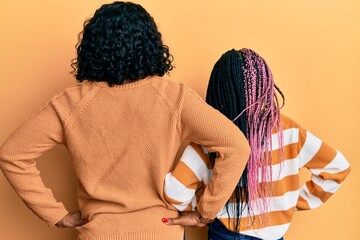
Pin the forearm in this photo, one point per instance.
(328, 168)
(206, 126)
(28, 184)
(17, 161)
(227, 171)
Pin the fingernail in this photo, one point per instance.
(165, 220)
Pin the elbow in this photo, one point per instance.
(346, 173)
(243, 148)
(5, 153)
(10, 161)
(239, 154)
(2, 157)
(344, 166)
(238, 147)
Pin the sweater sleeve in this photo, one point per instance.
(328, 169)
(36, 135)
(202, 124)
(181, 185)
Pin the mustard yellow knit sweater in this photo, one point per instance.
(123, 141)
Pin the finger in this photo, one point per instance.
(59, 225)
(76, 223)
(183, 220)
(80, 222)
(72, 219)
(186, 219)
(76, 219)
(175, 221)
(201, 225)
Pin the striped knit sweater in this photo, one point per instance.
(301, 149)
(123, 141)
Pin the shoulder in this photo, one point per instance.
(287, 122)
(173, 93)
(71, 99)
(74, 93)
(165, 85)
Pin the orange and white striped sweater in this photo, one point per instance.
(301, 149)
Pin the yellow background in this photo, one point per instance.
(312, 48)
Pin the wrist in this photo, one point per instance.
(201, 218)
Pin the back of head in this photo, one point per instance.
(240, 81)
(241, 87)
(226, 87)
(120, 42)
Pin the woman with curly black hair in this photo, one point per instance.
(121, 42)
(123, 125)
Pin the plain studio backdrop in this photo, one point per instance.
(312, 48)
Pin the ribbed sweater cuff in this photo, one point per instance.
(51, 221)
(204, 213)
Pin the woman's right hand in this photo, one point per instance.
(188, 219)
(72, 219)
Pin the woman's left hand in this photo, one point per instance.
(72, 219)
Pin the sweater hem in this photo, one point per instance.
(154, 235)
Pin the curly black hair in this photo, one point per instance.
(120, 42)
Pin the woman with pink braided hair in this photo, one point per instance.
(262, 205)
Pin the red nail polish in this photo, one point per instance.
(165, 220)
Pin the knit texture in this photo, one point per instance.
(123, 141)
(301, 150)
